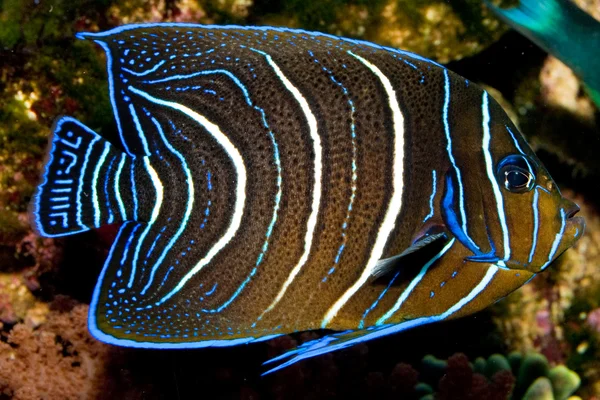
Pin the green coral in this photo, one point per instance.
(560, 384)
(533, 378)
(496, 363)
(532, 366)
(540, 389)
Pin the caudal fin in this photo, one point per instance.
(76, 192)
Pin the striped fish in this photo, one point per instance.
(272, 180)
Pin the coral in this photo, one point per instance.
(531, 367)
(564, 381)
(540, 389)
(60, 360)
(15, 298)
(40, 363)
(501, 377)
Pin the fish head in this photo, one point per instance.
(501, 202)
(541, 223)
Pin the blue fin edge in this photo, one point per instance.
(124, 28)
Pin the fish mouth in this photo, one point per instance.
(574, 225)
(571, 210)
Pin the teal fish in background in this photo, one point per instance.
(564, 30)
(272, 180)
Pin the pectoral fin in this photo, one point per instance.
(429, 242)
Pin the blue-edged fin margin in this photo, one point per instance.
(477, 298)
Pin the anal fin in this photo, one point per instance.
(339, 341)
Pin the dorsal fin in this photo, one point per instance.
(427, 243)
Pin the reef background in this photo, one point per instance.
(46, 284)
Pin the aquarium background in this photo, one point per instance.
(542, 342)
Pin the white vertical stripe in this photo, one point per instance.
(94, 184)
(158, 187)
(117, 188)
(316, 200)
(485, 281)
(557, 239)
(491, 176)
(80, 181)
(395, 204)
(240, 190)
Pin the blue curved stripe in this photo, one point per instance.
(461, 193)
(206, 72)
(149, 71)
(361, 324)
(185, 219)
(146, 230)
(133, 191)
(129, 240)
(514, 138)
(138, 127)
(354, 168)
(111, 217)
(431, 198)
(277, 160)
(73, 158)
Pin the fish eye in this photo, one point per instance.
(515, 174)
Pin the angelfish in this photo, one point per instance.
(273, 180)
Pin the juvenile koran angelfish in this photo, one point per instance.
(273, 180)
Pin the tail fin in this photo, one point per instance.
(80, 188)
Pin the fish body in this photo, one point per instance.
(272, 180)
(564, 30)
